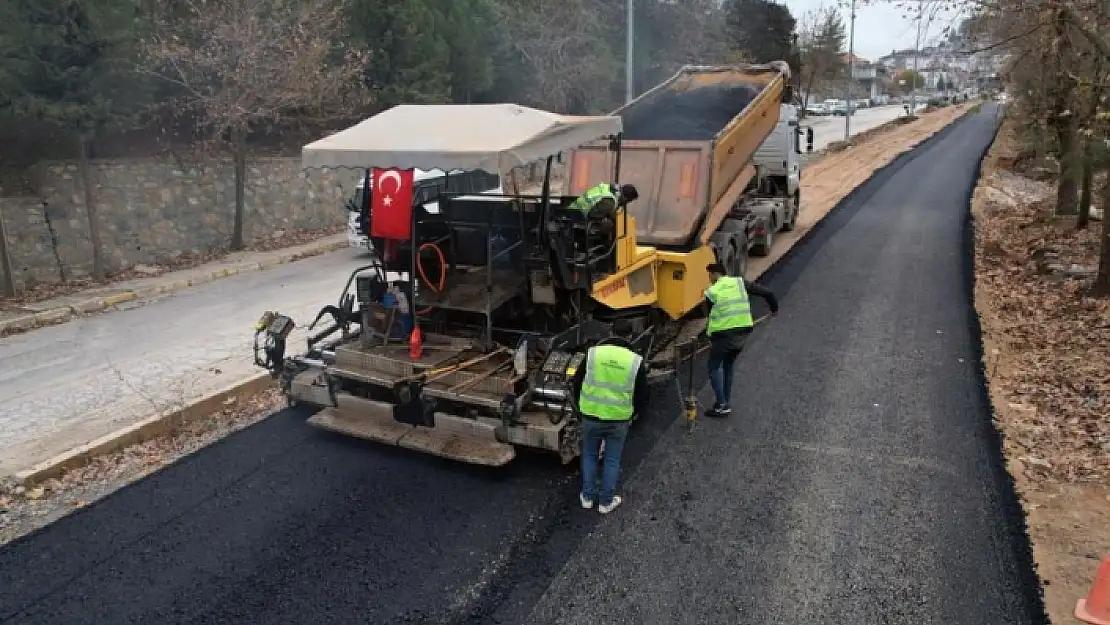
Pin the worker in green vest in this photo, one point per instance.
(729, 323)
(600, 202)
(611, 387)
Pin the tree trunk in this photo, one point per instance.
(240, 152)
(1101, 287)
(6, 261)
(1064, 123)
(1067, 191)
(1085, 200)
(98, 271)
(812, 80)
(1084, 214)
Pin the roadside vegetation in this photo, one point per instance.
(1043, 275)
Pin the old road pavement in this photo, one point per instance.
(858, 483)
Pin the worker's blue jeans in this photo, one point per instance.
(722, 357)
(593, 432)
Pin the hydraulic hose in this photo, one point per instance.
(439, 286)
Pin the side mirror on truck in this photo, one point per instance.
(809, 139)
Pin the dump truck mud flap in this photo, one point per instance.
(457, 438)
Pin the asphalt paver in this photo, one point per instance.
(858, 481)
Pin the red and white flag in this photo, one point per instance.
(391, 204)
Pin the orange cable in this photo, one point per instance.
(423, 276)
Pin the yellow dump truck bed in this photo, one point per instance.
(688, 146)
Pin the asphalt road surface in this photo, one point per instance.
(858, 482)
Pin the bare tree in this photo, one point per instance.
(6, 260)
(1059, 60)
(569, 64)
(820, 39)
(236, 65)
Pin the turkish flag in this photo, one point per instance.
(391, 204)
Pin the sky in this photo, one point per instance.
(880, 27)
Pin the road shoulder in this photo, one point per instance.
(1045, 352)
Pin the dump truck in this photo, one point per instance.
(715, 152)
(509, 291)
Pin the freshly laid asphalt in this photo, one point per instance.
(858, 481)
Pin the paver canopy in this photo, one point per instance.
(491, 137)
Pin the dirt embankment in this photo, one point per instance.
(1047, 353)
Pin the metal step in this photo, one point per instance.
(464, 440)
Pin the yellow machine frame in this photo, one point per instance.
(674, 282)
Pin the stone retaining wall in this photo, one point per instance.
(153, 210)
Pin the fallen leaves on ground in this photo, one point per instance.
(1048, 344)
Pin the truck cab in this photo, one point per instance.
(778, 157)
(778, 197)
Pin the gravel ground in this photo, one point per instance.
(860, 482)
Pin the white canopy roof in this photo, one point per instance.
(491, 137)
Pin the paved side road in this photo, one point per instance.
(830, 128)
(65, 385)
(858, 482)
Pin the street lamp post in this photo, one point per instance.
(916, 56)
(848, 108)
(628, 49)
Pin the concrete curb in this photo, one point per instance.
(157, 425)
(146, 429)
(62, 314)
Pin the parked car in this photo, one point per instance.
(840, 107)
(817, 109)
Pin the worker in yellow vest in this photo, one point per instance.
(611, 387)
(600, 202)
(729, 324)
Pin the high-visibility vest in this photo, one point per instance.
(731, 308)
(610, 382)
(592, 196)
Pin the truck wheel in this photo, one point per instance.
(738, 265)
(768, 241)
(793, 205)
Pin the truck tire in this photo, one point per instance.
(793, 206)
(738, 265)
(768, 241)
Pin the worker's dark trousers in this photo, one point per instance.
(613, 434)
(722, 356)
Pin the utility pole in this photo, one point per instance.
(628, 50)
(848, 108)
(917, 52)
(916, 56)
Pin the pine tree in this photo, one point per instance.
(65, 63)
(411, 56)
